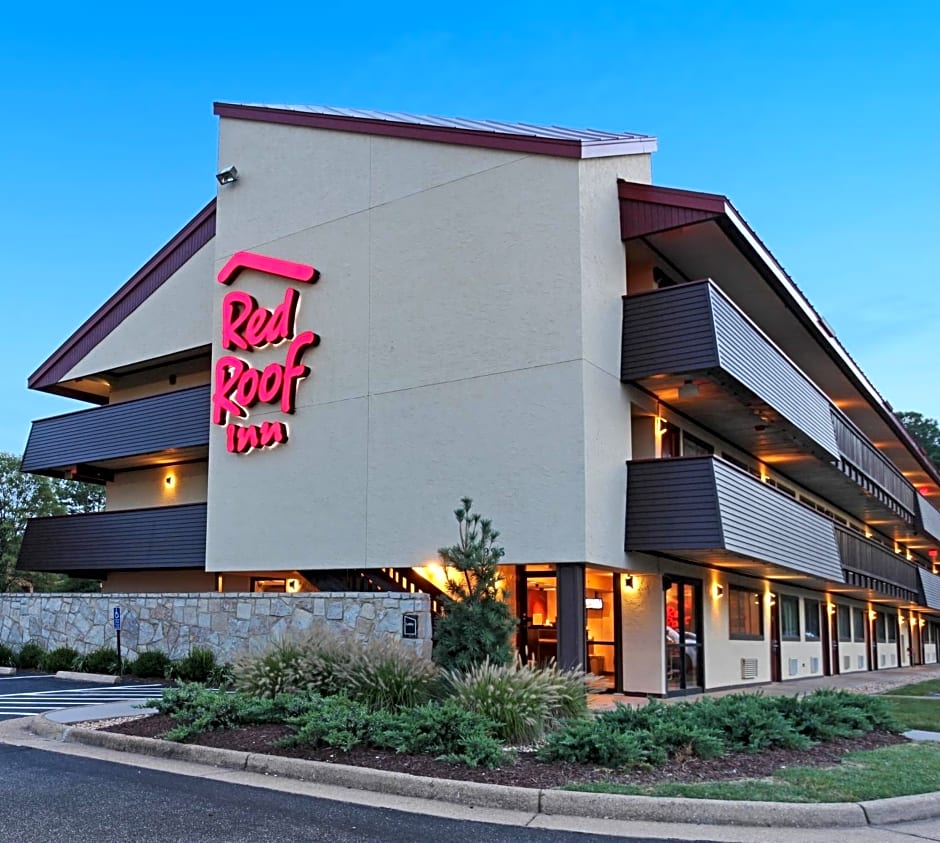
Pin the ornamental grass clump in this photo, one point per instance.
(522, 701)
(387, 676)
(280, 669)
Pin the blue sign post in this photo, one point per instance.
(117, 628)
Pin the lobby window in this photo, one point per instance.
(845, 623)
(811, 611)
(858, 624)
(789, 618)
(745, 614)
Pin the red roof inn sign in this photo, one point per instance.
(249, 327)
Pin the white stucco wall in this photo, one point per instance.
(148, 487)
(452, 359)
(176, 317)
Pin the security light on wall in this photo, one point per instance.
(227, 176)
(719, 591)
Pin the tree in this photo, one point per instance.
(926, 431)
(476, 624)
(24, 496)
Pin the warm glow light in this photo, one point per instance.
(830, 608)
(924, 490)
(170, 480)
(719, 591)
(661, 426)
(872, 614)
(629, 582)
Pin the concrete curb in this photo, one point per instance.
(7, 671)
(77, 676)
(530, 800)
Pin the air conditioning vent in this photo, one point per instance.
(861, 662)
(794, 667)
(846, 662)
(881, 659)
(748, 668)
(814, 664)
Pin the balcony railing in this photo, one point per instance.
(703, 509)
(171, 421)
(131, 539)
(870, 565)
(928, 519)
(859, 454)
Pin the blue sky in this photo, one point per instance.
(820, 121)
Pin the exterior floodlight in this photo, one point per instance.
(227, 176)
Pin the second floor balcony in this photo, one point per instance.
(697, 352)
(93, 444)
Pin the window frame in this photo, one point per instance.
(844, 635)
(807, 614)
(858, 624)
(735, 593)
(794, 604)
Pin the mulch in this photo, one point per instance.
(526, 771)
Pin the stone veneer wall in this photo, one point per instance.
(229, 624)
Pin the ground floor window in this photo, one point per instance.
(745, 614)
(858, 624)
(886, 628)
(789, 618)
(845, 623)
(811, 612)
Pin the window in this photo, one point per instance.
(858, 624)
(811, 610)
(886, 628)
(692, 447)
(745, 614)
(790, 618)
(845, 623)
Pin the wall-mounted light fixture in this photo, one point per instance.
(170, 481)
(771, 598)
(688, 390)
(901, 619)
(292, 585)
(227, 176)
(718, 591)
(661, 426)
(831, 608)
(872, 614)
(628, 581)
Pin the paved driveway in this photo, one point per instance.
(23, 695)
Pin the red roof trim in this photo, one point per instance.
(690, 200)
(412, 131)
(192, 237)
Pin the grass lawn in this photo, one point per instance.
(916, 713)
(900, 770)
(918, 689)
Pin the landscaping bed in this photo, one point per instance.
(525, 771)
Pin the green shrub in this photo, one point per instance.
(103, 660)
(386, 675)
(826, 714)
(150, 663)
(477, 622)
(330, 721)
(195, 667)
(7, 656)
(749, 723)
(590, 741)
(447, 732)
(62, 658)
(30, 656)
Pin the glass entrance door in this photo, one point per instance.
(683, 635)
(538, 614)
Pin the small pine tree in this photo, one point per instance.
(476, 624)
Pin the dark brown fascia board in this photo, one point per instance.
(195, 234)
(558, 147)
(731, 222)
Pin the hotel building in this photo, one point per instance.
(696, 485)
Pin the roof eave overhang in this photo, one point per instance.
(672, 208)
(186, 242)
(532, 144)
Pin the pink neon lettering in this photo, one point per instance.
(272, 266)
(240, 440)
(248, 326)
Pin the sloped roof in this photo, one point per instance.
(492, 134)
(183, 245)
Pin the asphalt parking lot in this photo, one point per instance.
(28, 694)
